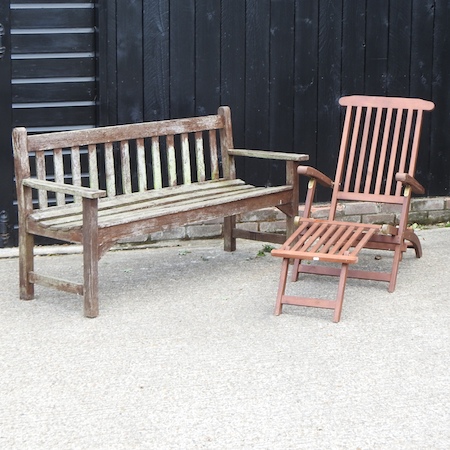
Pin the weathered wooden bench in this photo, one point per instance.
(100, 185)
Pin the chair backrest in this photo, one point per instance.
(380, 138)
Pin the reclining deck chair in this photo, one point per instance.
(376, 163)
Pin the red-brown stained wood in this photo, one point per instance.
(104, 217)
(376, 163)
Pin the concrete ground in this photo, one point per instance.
(187, 354)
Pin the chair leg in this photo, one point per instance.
(282, 286)
(295, 270)
(229, 242)
(26, 264)
(394, 269)
(412, 237)
(340, 293)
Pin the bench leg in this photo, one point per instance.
(229, 242)
(290, 224)
(26, 264)
(90, 257)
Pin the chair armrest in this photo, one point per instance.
(310, 172)
(263, 154)
(408, 180)
(63, 188)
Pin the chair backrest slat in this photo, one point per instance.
(362, 155)
(383, 151)
(373, 151)
(404, 153)
(351, 158)
(395, 141)
(415, 144)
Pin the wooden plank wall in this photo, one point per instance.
(53, 69)
(281, 65)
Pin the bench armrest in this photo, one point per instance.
(408, 180)
(310, 172)
(263, 154)
(63, 188)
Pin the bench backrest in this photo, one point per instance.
(127, 158)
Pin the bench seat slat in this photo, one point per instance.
(144, 204)
(112, 202)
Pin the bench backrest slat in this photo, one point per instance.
(76, 169)
(214, 155)
(126, 169)
(59, 173)
(41, 174)
(199, 157)
(141, 167)
(93, 166)
(156, 164)
(186, 159)
(110, 170)
(171, 161)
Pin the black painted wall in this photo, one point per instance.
(281, 65)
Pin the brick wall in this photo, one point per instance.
(424, 211)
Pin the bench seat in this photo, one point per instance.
(150, 210)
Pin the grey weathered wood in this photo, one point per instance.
(164, 198)
(76, 169)
(263, 154)
(56, 283)
(63, 188)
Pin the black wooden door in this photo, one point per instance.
(48, 73)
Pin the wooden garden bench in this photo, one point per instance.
(98, 186)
